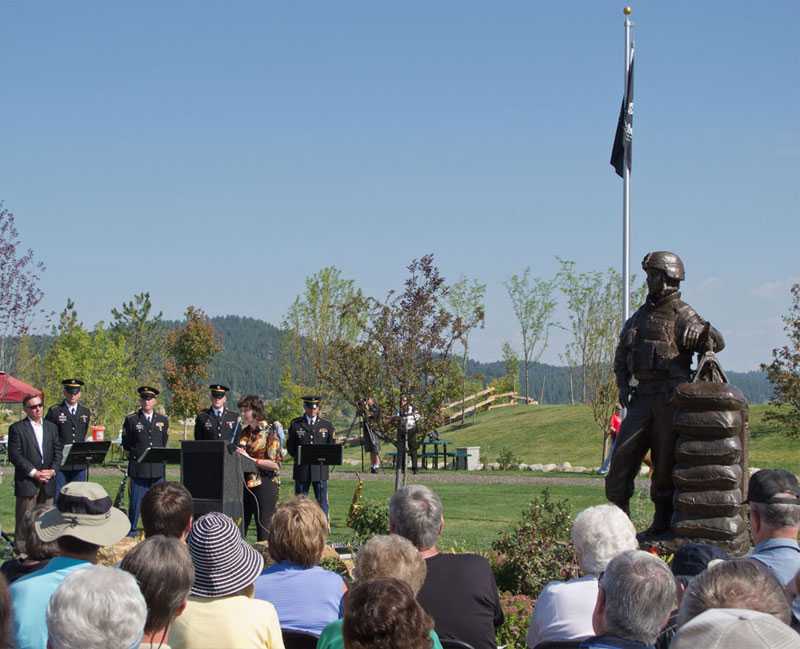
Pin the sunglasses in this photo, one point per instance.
(34, 406)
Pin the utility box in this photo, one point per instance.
(468, 458)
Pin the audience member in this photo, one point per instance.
(635, 596)
(774, 497)
(733, 628)
(83, 522)
(383, 557)
(221, 611)
(793, 591)
(459, 592)
(35, 553)
(564, 608)
(96, 608)
(739, 583)
(163, 569)
(296, 541)
(167, 510)
(383, 614)
(688, 562)
(5, 615)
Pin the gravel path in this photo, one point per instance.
(448, 477)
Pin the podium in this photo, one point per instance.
(213, 472)
(87, 453)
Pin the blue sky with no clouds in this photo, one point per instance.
(218, 153)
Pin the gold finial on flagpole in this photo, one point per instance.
(627, 11)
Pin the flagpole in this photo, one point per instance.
(626, 191)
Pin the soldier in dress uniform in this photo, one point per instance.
(310, 429)
(655, 348)
(217, 422)
(141, 430)
(72, 420)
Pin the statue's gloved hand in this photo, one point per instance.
(691, 336)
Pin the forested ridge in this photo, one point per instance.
(251, 362)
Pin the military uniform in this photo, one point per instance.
(138, 435)
(209, 426)
(71, 429)
(301, 431)
(652, 349)
(72, 423)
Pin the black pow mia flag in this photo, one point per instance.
(622, 151)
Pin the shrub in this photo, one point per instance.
(507, 459)
(517, 610)
(367, 518)
(537, 550)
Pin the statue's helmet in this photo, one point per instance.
(669, 262)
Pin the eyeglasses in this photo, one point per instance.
(34, 406)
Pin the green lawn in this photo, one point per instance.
(554, 434)
(474, 513)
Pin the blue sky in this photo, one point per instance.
(218, 153)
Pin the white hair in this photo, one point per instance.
(415, 512)
(639, 591)
(96, 608)
(599, 534)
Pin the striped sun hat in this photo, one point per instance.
(224, 563)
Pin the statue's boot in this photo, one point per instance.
(661, 527)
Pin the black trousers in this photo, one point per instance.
(647, 426)
(259, 503)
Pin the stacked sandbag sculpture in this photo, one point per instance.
(710, 473)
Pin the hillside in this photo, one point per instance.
(554, 434)
(250, 362)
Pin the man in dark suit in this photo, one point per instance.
(35, 452)
(141, 430)
(310, 429)
(72, 420)
(217, 422)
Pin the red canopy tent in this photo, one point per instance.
(13, 390)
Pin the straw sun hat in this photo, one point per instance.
(224, 563)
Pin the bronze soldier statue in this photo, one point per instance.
(653, 356)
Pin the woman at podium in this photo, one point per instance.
(260, 443)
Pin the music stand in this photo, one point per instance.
(160, 455)
(319, 454)
(86, 453)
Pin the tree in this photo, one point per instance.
(784, 373)
(285, 408)
(99, 359)
(403, 350)
(465, 298)
(20, 294)
(27, 366)
(594, 303)
(144, 335)
(533, 302)
(189, 350)
(317, 318)
(511, 362)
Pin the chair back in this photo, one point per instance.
(293, 639)
(455, 644)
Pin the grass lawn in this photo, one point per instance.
(474, 513)
(544, 434)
